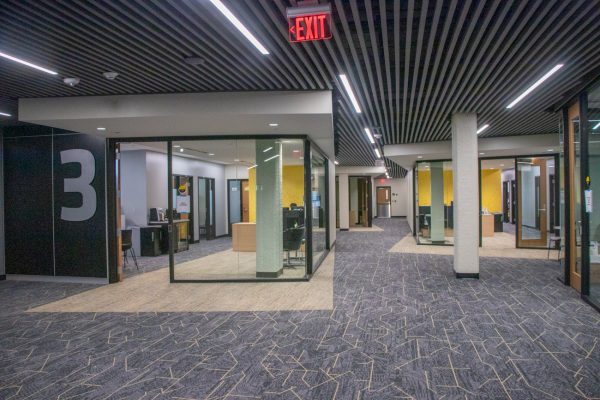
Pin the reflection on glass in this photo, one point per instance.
(435, 203)
(576, 185)
(536, 206)
(498, 195)
(358, 196)
(317, 184)
(594, 172)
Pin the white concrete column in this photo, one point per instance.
(437, 202)
(344, 201)
(2, 266)
(466, 195)
(269, 215)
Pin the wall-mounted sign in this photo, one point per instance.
(309, 23)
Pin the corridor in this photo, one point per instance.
(401, 326)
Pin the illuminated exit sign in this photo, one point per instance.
(310, 23)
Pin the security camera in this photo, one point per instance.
(110, 75)
(71, 81)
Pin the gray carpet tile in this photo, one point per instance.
(402, 327)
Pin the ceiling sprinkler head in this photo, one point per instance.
(110, 75)
(71, 81)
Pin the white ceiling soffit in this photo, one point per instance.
(367, 171)
(407, 154)
(190, 114)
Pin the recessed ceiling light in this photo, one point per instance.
(110, 75)
(302, 158)
(350, 93)
(5, 114)
(296, 151)
(273, 124)
(377, 153)
(336, 162)
(237, 160)
(419, 157)
(28, 64)
(502, 165)
(240, 27)
(176, 146)
(101, 128)
(368, 132)
(550, 149)
(481, 154)
(536, 84)
(483, 128)
(211, 154)
(74, 81)
(181, 150)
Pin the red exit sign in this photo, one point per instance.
(309, 23)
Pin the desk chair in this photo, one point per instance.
(554, 240)
(292, 240)
(127, 245)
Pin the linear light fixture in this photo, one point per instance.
(270, 158)
(377, 153)
(536, 84)
(369, 135)
(240, 27)
(596, 126)
(5, 114)
(350, 93)
(483, 128)
(15, 59)
(336, 162)
(268, 149)
(254, 166)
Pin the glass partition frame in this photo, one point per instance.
(309, 147)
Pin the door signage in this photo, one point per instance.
(588, 200)
(307, 24)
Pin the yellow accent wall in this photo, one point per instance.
(491, 190)
(424, 187)
(292, 188)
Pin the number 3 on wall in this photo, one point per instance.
(81, 185)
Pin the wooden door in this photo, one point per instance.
(383, 195)
(245, 201)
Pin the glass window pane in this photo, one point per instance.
(318, 198)
(435, 203)
(594, 187)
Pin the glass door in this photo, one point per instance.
(574, 170)
(533, 205)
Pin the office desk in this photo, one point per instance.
(243, 236)
(180, 228)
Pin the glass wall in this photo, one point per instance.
(232, 210)
(592, 194)
(434, 199)
(318, 203)
(498, 203)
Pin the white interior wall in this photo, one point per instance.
(410, 199)
(399, 195)
(331, 183)
(133, 182)
(353, 199)
(344, 201)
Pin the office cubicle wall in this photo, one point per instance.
(55, 215)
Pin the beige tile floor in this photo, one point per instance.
(501, 245)
(152, 292)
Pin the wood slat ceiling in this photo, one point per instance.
(411, 63)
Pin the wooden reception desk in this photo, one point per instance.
(243, 236)
(487, 225)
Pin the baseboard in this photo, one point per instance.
(269, 274)
(344, 229)
(61, 279)
(2, 277)
(467, 275)
(398, 216)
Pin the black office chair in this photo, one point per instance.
(292, 240)
(127, 245)
(554, 241)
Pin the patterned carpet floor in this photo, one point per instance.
(402, 327)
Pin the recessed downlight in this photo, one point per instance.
(273, 124)
(481, 154)
(181, 150)
(15, 59)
